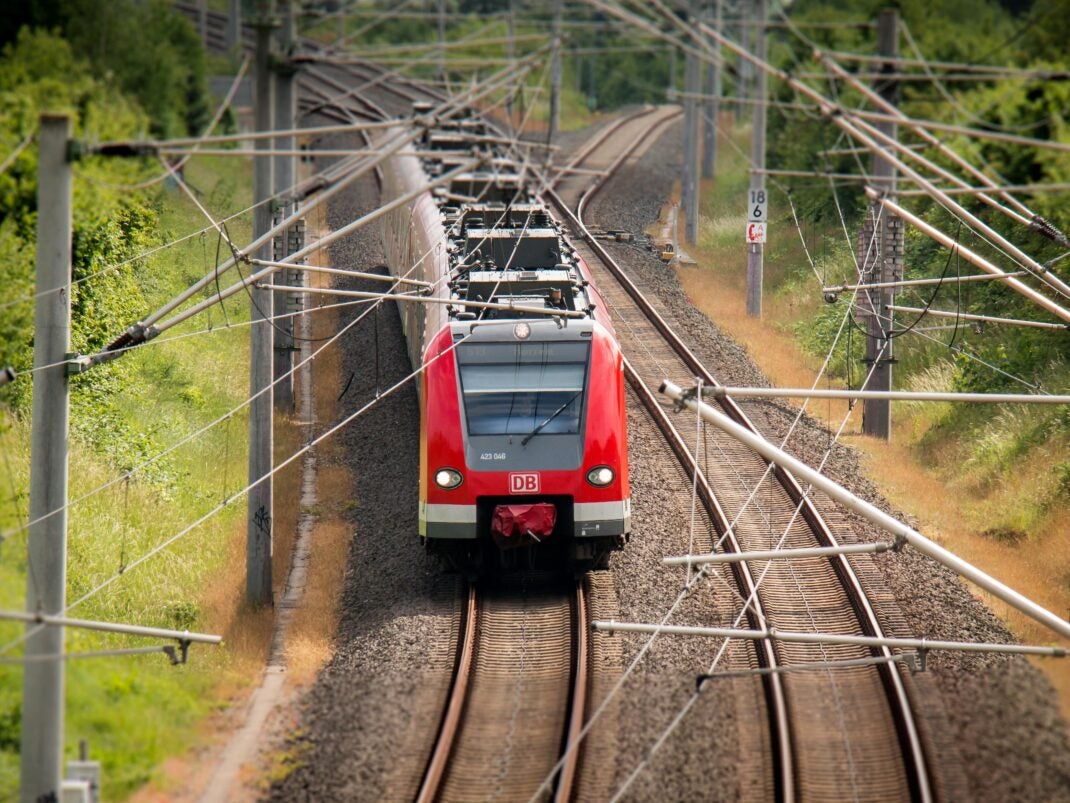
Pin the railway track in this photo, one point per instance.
(832, 733)
(835, 733)
(518, 694)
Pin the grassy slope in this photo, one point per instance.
(998, 501)
(136, 711)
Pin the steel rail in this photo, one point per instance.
(776, 697)
(571, 750)
(900, 706)
(458, 695)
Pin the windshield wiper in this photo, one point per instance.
(550, 418)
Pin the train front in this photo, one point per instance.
(523, 438)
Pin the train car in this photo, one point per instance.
(523, 443)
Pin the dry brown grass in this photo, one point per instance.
(956, 522)
(309, 642)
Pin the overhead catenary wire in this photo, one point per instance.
(11, 157)
(380, 50)
(951, 99)
(223, 106)
(148, 327)
(350, 227)
(252, 136)
(966, 316)
(892, 113)
(971, 256)
(841, 55)
(647, 754)
(240, 493)
(1034, 221)
(226, 416)
(140, 330)
(303, 187)
(347, 93)
(876, 141)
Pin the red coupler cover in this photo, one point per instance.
(517, 520)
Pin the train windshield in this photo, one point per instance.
(516, 388)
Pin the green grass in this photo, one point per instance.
(135, 711)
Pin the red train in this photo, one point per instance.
(523, 444)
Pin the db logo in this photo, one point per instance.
(524, 483)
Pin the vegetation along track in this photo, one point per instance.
(518, 695)
(834, 732)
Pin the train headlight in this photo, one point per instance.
(600, 476)
(448, 478)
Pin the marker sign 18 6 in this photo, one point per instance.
(757, 207)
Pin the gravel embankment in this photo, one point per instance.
(992, 721)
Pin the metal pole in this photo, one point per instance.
(892, 395)
(51, 622)
(234, 25)
(688, 178)
(802, 637)
(258, 546)
(46, 575)
(884, 252)
(285, 119)
(966, 316)
(874, 514)
(555, 75)
(713, 103)
(756, 250)
(202, 20)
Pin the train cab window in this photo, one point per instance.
(523, 388)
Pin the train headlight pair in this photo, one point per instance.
(600, 476)
(448, 478)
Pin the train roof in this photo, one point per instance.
(504, 245)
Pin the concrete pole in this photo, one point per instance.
(693, 89)
(672, 71)
(555, 76)
(885, 254)
(258, 547)
(202, 20)
(285, 120)
(234, 24)
(510, 22)
(756, 251)
(46, 576)
(746, 69)
(442, 40)
(713, 105)
(687, 162)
